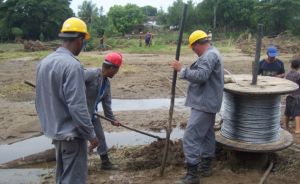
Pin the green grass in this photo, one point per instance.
(89, 60)
(162, 49)
(225, 46)
(129, 69)
(14, 54)
(8, 47)
(163, 43)
(14, 89)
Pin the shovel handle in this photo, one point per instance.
(129, 128)
(29, 83)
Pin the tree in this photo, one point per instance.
(278, 15)
(34, 17)
(231, 15)
(161, 17)
(17, 32)
(149, 10)
(93, 16)
(87, 11)
(175, 13)
(125, 18)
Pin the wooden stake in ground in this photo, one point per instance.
(169, 129)
(257, 54)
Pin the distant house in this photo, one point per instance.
(173, 28)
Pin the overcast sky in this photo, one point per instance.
(109, 3)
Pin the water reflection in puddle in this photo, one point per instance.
(42, 143)
(144, 104)
(14, 176)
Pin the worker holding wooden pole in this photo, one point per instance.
(169, 129)
(204, 96)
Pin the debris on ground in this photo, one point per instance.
(150, 156)
(32, 46)
(41, 157)
(296, 56)
(284, 43)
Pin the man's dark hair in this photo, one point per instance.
(295, 64)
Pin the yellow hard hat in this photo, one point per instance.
(76, 25)
(196, 35)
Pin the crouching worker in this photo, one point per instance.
(204, 96)
(98, 90)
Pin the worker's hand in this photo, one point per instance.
(116, 123)
(176, 65)
(93, 144)
(280, 76)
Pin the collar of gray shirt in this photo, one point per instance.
(66, 51)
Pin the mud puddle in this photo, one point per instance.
(9, 176)
(144, 104)
(116, 139)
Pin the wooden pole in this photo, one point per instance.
(169, 129)
(257, 54)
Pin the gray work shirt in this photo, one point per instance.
(206, 79)
(93, 82)
(60, 97)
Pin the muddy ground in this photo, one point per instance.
(142, 76)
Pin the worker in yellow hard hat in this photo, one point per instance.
(61, 104)
(74, 33)
(204, 97)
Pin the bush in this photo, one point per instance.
(17, 32)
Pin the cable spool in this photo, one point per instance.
(251, 114)
(253, 119)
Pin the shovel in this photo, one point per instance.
(129, 128)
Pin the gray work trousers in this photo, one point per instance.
(71, 161)
(199, 137)
(102, 148)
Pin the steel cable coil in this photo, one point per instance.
(251, 118)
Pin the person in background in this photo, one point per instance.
(292, 108)
(271, 66)
(84, 45)
(209, 36)
(148, 39)
(101, 43)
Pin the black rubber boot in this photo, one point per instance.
(106, 164)
(191, 176)
(205, 167)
